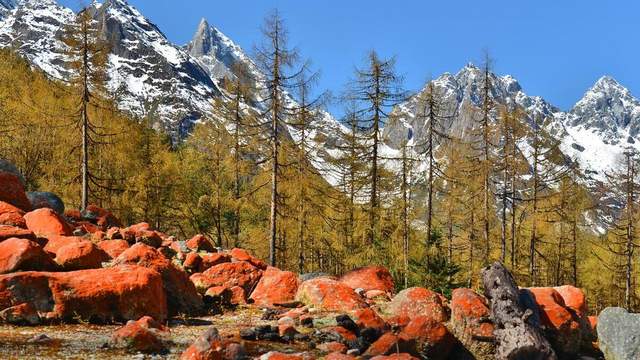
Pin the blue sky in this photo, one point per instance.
(555, 48)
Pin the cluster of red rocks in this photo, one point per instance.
(87, 266)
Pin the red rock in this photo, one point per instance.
(81, 255)
(413, 302)
(151, 323)
(8, 232)
(148, 237)
(54, 243)
(368, 318)
(192, 262)
(400, 356)
(235, 351)
(432, 339)
(12, 191)
(468, 313)
(332, 347)
(13, 219)
(113, 233)
(339, 356)
(181, 294)
(8, 208)
(387, 344)
(369, 278)
(376, 295)
(208, 346)
(593, 321)
(137, 337)
(328, 294)
(295, 313)
(87, 227)
(100, 295)
(200, 243)
(240, 274)
(560, 320)
(573, 298)
(73, 215)
(98, 236)
(46, 222)
(23, 255)
(143, 226)
(211, 260)
(286, 330)
(101, 217)
(113, 247)
(238, 295)
(23, 314)
(275, 287)
(243, 255)
(344, 333)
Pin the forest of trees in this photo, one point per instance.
(243, 181)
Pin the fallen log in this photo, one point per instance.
(517, 337)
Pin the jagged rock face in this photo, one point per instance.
(148, 74)
(5, 7)
(610, 109)
(217, 53)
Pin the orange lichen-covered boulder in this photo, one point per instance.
(200, 243)
(22, 314)
(243, 255)
(562, 324)
(12, 191)
(416, 301)
(368, 318)
(181, 294)
(275, 287)
(192, 262)
(55, 243)
(13, 219)
(339, 356)
(144, 335)
(101, 217)
(328, 294)
(98, 295)
(208, 346)
(46, 222)
(240, 274)
(23, 255)
(429, 338)
(211, 260)
(387, 344)
(8, 232)
(113, 248)
(80, 255)
(369, 278)
(469, 322)
(8, 208)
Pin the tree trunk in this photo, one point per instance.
(516, 337)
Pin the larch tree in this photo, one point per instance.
(275, 58)
(377, 88)
(88, 57)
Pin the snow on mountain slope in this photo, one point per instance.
(6, 6)
(147, 73)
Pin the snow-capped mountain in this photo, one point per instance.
(594, 133)
(5, 7)
(148, 74)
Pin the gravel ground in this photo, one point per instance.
(86, 341)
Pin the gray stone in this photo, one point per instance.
(43, 199)
(619, 334)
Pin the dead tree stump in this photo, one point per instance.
(516, 337)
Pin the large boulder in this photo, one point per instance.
(562, 325)
(13, 219)
(470, 323)
(8, 167)
(12, 191)
(431, 339)
(618, 334)
(80, 255)
(200, 243)
(145, 335)
(211, 260)
(413, 302)
(329, 294)
(100, 217)
(43, 199)
(8, 232)
(46, 222)
(181, 294)
(113, 247)
(243, 255)
(275, 287)
(241, 274)
(369, 278)
(23, 255)
(55, 243)
(102, 295)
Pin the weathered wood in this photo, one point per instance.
(517, 337)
